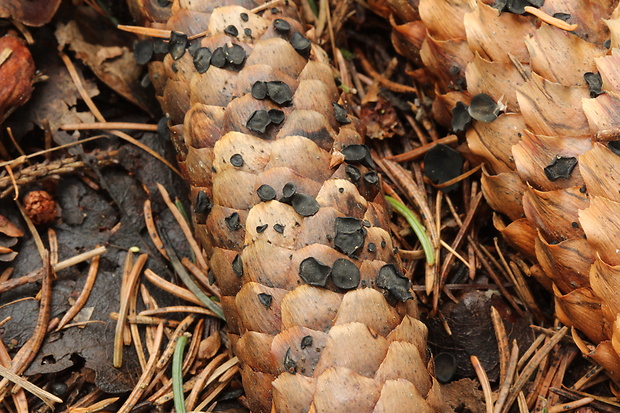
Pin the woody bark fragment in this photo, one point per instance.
(318, 310)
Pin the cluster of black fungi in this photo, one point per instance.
(350, 232)
(483, 108)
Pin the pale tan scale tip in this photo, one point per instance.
(337, 159)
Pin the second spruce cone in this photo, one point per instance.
(318, 310)
(552, 158)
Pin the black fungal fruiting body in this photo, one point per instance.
(349, 235)
(394, 282)
(560, 167)
(442, 164)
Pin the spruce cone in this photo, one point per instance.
(318, 310)
(552, 165)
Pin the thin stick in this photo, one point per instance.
(184, 226)
(146, 31)
(177, 309)
(570, 405)
(178, 332)
(509, 376)
(530, 367)
(502, 344)
(420, 151)
(132, 281)
(146, 376)
(559, 23)
(265, 6)
(109, 125)
(484, 382)
(171, 288)
(83, 298)
(191, 400)
(85, 256)
(152, 228)
(47, 398)
(28, 352)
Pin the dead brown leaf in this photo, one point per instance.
(108, 55)
(381, 120)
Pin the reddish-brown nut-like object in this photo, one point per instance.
(40, 207)
(16, 73)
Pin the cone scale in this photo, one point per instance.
(317, 308)
(552, 157)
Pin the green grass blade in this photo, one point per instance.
(417, 227)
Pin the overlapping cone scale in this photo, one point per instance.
(552, 159)
(254, 123)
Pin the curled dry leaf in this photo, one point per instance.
(112, 61)
(381, 120)
(16, 73)
(29, 12)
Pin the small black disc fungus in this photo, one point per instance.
(305, 205)
(560, 167)
(391, 279)
(279, 92)
(461, 118)
(203, 204)
(235, 54)
(259, 90)
(483, 108)
(232, 221)
(265, 299)
(341, 114)
(345, 274)
(314, 272)
(301, 44)
(218, 58)
(143, 51)
(266, 193)
(177, 45)
(371, 178)
(236, 160)
(288, 191)
(202, 59)
(441, 164)
(595, 83)
(281, 25)
(349, 235)
(237, 266)
(353, 173)
(358, 154)
(276, 116)
(259, 121)
(306, 342)
(231, 31)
